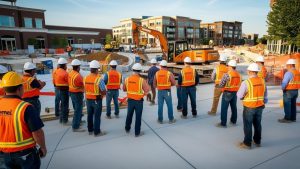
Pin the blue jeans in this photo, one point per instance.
(77, 102)
(57, 102)
(26, 159)
(289, 104)
(252, 116)
(179, 98)
(35, 102)
(94, 110)
(64, 112)
(165, 95)
(189, 92)
(228, 98)
(137, 107)
(112, 94)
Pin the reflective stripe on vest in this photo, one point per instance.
(113, 79)
(255, 95)
(91, 86)
(234, 81)
(188, 76)
(163, 79)
(72, 86)
(134, 85)
(294, 84)
(220, 71)
(28, 90)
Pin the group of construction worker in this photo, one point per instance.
(22, 140)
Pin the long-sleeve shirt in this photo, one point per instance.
(171, 78)
(145, 87)
(151, 73)
(224, 80)
(288, 76)
(244, 89)
(196, 78)
(102, 85)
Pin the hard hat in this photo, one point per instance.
(11, 79)
(291, 62)
(153, 61)
(223, 57)
(62, 61)
(137, 66)
(163, 63)
(187, 60)
(94, 64)
(75, 62)
(29, 66)
(253, 67)
(3, 69)
(260, 58)
(113, 63)
(232, 63)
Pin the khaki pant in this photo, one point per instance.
(217, 93)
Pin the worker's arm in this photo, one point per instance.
(196, 78)
(105, 78)
(288, 76)
(213, 75)
(242, 91)
(224, 80)
(39, 138)
(266, 95)
(172, 79)
(146, 87)
(36, 84)
(102, 87)
(124, 86)
(154, 82)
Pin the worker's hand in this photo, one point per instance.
(43, 152)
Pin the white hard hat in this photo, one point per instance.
(253, 67)
(75, 62)
(113, 63)
(153, 61)
(232, 63)
(291, 62)
(163, 63)
(62, 61)
(137, 66)
(223, 57)
(94, 64)
(260, 58)
(3, 69)
(187, 60)
(29, 66)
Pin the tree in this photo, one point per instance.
(108, 39)
(262, 40)
(298, 41)
(283, 20)
(59, 42)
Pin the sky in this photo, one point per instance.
(108, 13)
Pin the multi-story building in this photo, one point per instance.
(123, 32)
(250, 39)
(223, 32)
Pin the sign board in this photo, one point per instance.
(30, 49)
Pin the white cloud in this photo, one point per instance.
(211, 2)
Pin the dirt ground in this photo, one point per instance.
(101, 56)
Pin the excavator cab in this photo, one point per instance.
(176, 48)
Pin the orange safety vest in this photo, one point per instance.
(61, 77)
(113, 79)
(234, 81)
(134, 85)
(220, 71)
(262, 73)
(188, 76)
(163, 79)
(14, 133)
(29, 92)
(294, 84)
(73, 76)
(91, 86)
(256, 91)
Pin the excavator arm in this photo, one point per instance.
(136, 29)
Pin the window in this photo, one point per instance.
(181, 34)
(70, 40)
(7, 21)
(28, 22)
(38, 23)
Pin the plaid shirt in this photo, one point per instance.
(224, 80)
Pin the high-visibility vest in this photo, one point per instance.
(134, 86)
(256, 91)
(294, 84)
(73, 87)
(262, 73)
(14, 133)
(2, 92)
(61, 77)
(113, 79)
(188, 76)
(53, 76)
(234, 81)
(29, 92)
(220, 71)
(91, 86)
(163, 79)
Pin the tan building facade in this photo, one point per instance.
(123, 32)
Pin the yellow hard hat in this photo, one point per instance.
(11, 79)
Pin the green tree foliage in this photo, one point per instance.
(284, 20)
(108, 39)
(59, 42)
(262, 40)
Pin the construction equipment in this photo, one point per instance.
(114, 46)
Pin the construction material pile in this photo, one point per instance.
(102, 56)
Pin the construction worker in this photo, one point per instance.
(253, 93)
(217, 75)
(151, 73)
(20, 127)
(76, 93)
(188, 79)
(290, 86)
(230, 83)
(263, 71)
(62, 88)
(69, 50)
(3, 70)
(32, 86)
(94, 87)
(112, 80)
(136, 88)
(163, 81)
